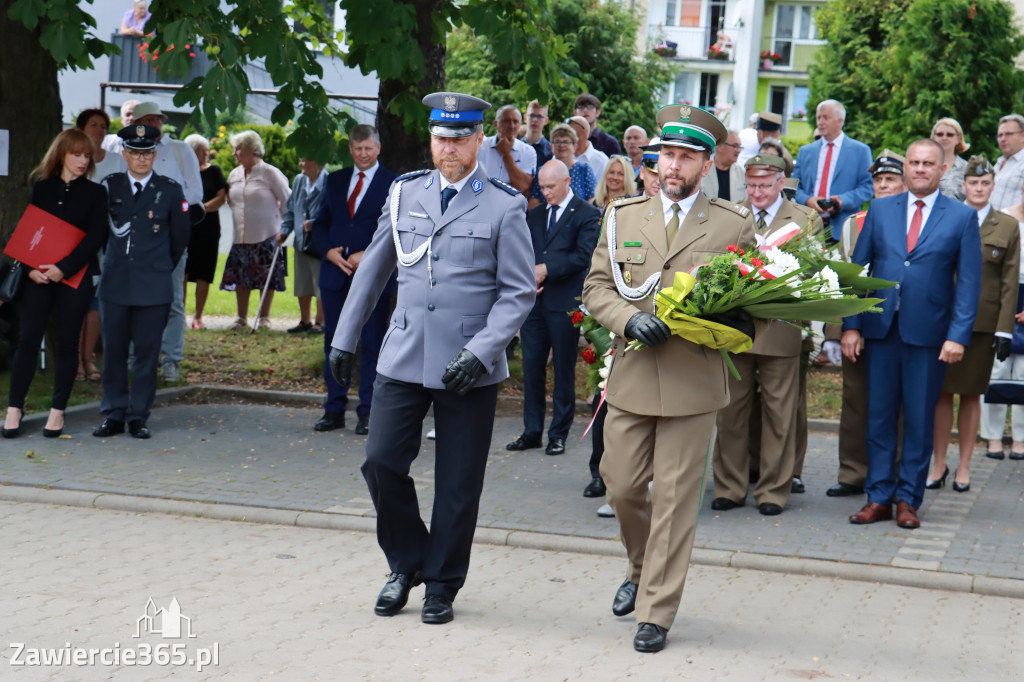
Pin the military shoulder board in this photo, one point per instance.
(735, 208)
(412, 174)
(505, 186)
(625, 201)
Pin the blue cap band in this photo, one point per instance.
(463, 117)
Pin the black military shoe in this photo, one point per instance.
(625, 598)
(330, 421)
(109, 427)
(138, 429)
(437, 610)
(649, 638)
(524, 442)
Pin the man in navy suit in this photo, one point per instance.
(930, 246)
(348, 217)
(564, 232)
(833, 169)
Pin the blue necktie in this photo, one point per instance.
(446, 196)
(553, 219)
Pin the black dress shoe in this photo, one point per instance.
(844, 490)
(437, 610)
(724, 504)
(595, 488)
(524, 442)
(769, 509)
(797, 485)
(138, 429)
(109, 427)
(649, 638)
(556, 446)
(395, 594)
(363, 425)
(330, 421)
(625, 598)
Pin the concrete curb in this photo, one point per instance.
(908, 577)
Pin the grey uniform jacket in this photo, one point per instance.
(482, 266)
(147, 238)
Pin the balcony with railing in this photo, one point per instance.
(690, 43)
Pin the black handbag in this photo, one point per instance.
(1005, 392)
(304, 242)
(1017, 342)
(10, 285)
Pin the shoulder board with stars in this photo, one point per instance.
(413, 174)
(505, 186)
(735, 208)
(625, 201)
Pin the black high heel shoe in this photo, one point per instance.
(935, 485)
(16, 431)
(961, 487)
(53, 433)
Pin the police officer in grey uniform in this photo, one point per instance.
(465, 285)
(149, 232)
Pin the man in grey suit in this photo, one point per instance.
(465, 285)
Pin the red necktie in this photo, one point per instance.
(823, 192)
(915, 226)
(355, 195)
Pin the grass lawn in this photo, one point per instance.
(220, 302)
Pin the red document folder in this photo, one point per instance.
(42, 238)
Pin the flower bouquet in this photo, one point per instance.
(598, 355)
(788, 275)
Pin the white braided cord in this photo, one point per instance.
(406, 259)
(644, 290)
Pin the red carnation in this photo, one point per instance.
(588, 356)
(577, 317)
(732, 248)
(756, 261)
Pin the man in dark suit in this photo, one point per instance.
(342, 231)
(832, 172)
(930, 246)
(149, 232)
(564, 232)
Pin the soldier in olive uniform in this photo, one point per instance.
(775, 357)
(149, 232)
(465, 285)
(661, 400)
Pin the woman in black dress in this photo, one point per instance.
(203, 246)
(64, 190)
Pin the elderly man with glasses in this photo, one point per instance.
(1009, 166)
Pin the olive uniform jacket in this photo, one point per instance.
(778, 338)
(1000, 263)
(678, 377)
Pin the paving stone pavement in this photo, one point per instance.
(295, 604)
(268, 456)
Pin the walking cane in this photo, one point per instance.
(266, 287)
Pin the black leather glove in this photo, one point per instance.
(738, 319)
(1002, 345)
(647, 329)
(462, 372)
(340, 362)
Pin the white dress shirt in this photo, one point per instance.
(822, 155)
(770, 212)
(684, 206)
(524, 156)
(367, 179)
(929, 202)
(559, 208)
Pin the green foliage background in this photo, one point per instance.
(900, 65)
(601, 55)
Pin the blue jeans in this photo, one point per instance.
(173, 342)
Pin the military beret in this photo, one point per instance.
(453, 114)
(887, 161)
(977, 166)
(690, 127)
(139, 137)
(762, 164)
(767, 120)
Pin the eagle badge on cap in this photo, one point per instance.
(684, 114)
(140, 131)
(451, 103)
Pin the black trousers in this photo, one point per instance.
(37, 302)
(542, 331)
(464, 425)
(124, 325)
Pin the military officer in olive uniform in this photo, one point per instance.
(776, 359)
(149, 232)
(465, 285)
(661, 400)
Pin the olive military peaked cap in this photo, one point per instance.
(690, 127)
(887, 162)
(453, 114)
